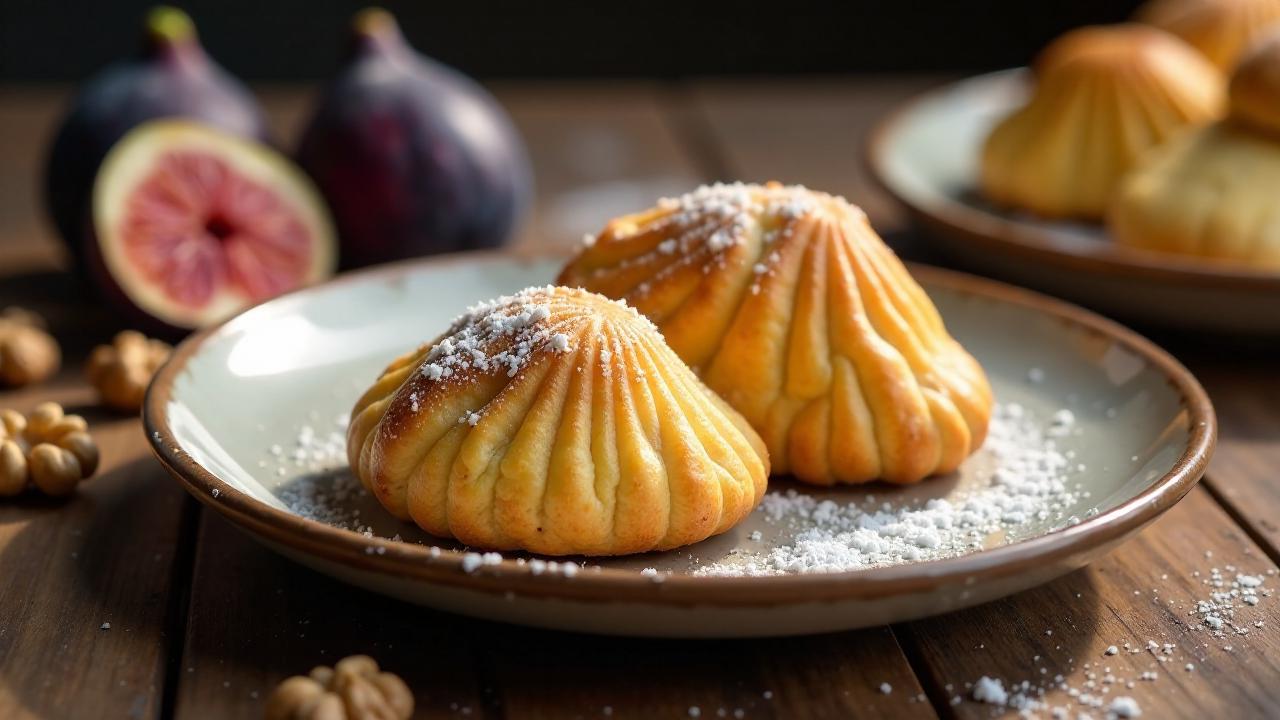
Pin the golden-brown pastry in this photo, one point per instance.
(1255, 88)
(1103, 96)
(47, 450)
(792, 308)
(559, 422)
(353, 689)
(122, 370)
(1220, 29)
(1213, 193)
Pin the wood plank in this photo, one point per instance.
(256, 618)
(107, 555)
(810, 132)
(1246, 396)
(268, 618)
(1145, 591)
(827, 676)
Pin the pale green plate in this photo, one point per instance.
(228, 395)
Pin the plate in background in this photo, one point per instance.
(230, 394)
(926, 155)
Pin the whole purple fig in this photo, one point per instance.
(413, 157)
(171, 77)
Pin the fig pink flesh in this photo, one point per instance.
(194, 227)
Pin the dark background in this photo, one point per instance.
(60, 40)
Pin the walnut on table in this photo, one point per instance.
(353, 689)
(47, 449)
(122, 370)
(28, 354)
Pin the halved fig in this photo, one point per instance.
(191, 224)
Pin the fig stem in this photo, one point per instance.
(373, 21)
(169, 25)
(172, 35)
(376, 29)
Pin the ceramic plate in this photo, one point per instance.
(247, 417)
(926, 155)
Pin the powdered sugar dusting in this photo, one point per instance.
(719, 217)
(519, 321)
(722, 213)
(1029, 480)
(705, 228)
(329, 498)
(990, 690)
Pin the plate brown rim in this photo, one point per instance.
(990, 232)
(408, 560)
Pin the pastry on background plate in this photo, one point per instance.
(559, 422)
(790, 306)
(1215, 193)
(1220, 29)
(1103, 95)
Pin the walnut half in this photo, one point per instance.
(28, 354)
(354, 689)
(122, 370)
(47, 449)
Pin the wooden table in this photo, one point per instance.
(204, 623)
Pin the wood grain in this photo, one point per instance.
(827, 676)
(1246, 396)
(107, 555)
(112, 552)
(256, 618)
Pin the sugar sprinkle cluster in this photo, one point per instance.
(719, 217)
(519, 318)
(1031, 480)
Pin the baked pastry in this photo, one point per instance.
(792, 309)
(1220, 29)
(1103, 96)
(1212, 194)
(559, 422)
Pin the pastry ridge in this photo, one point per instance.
(1220, 29)
(788, 305)
(1211, 193)
(559, 422)
(1103, 96)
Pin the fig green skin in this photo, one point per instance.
(172, 77)
(413, 157)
